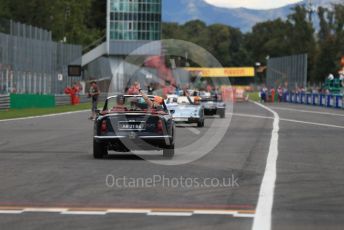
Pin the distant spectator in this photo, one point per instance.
(209, 88)
(263, 93)
(94, 95)
(280, 94)
(272, 93)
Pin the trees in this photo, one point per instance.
(330, 45)
(269, 38)
(83, 22)
(224, 42)
(72, 19)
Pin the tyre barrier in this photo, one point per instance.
(5, 102)
(323, 100)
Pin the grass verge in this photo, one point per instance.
(254, 96)
(18, 113)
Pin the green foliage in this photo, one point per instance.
(330, 45)
(18, 113)
(72, 19)
(269, 38)
(224, 42)
(83, 22)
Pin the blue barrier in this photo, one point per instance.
(321, 100)
(339, 102)
(302, 98)
(315, 98)
(308, 99)
(329, 101)
(286, 97)
(297, 98)
(291, 97)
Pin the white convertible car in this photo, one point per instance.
(186, 109)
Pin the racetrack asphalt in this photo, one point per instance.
(49, 178)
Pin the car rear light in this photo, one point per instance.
(159, 127)
(103, 127)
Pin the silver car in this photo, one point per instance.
(185, 110)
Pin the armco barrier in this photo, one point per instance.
(5, 102)
(21, 101)
(330, 101)
(62, 100)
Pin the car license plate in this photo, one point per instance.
(180, 119)
(124, 125)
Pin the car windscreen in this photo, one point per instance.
(212, 98)
(130, 103)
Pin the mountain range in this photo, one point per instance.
(181, 11)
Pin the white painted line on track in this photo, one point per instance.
(43, 116)
(169, 214)
(93, 213)
(190, 128)
(194, 130)
(11, 212)
(244, 215)
(249, 115)
(262, 218)
(148, 212)
(209, 212)
(307, 111)
(132, 211)
(45, 210)
(313, 123)
(288, 120)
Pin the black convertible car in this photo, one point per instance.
(128, 123)
(213, 105)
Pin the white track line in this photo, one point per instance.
(126, 211)
(249, 115)
(45, 210)
(193, 130)
(313, 123)
(42, 116)
(11, 211)
(169, 214)
(93, 213)
(210, 212)
(289, 120)
(262, 218)
(307, 111)
(244, 215)
(148, 212)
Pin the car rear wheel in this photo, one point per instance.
(168, 152)
(99, 150)
(200, 123)
(222, 114)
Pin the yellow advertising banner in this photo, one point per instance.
(222, 72)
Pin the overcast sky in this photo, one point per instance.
(252, 4)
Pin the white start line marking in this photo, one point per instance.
(148, 212)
